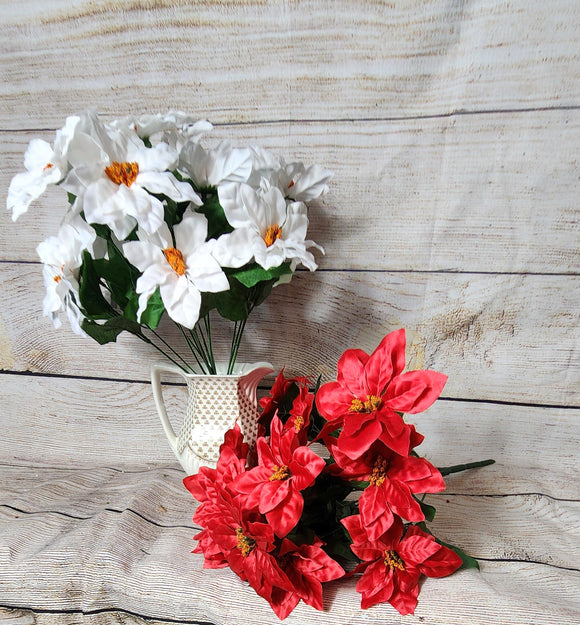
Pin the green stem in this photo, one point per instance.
(208, 332)
(150, 342)
(191, 346)
(200, 350)
(187, 366)
(463, 467)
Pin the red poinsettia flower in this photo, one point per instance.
(369, 394)
(299, 418)
(241, 540)
(307, 567)
(393, 479)
(394, 563)
(284, 469)
(271, 403)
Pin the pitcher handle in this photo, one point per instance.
(156, 370)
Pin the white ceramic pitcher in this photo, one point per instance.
(215, 403)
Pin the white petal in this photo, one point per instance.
(23, 190)
(191, 233)
(230, 197)
(311, 184)
(147, 210)
(235, 249)
(167, 184)
(268, 257)
(230, 164)
(274, 209)
(205, 272)
(143, 254)
(182, 301)
(38, 154)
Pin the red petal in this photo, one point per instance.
(387, 361)
(305, 466)
(405, 602)
(358, 435)
(284, 518)
(375, 512)
(414, 391)
(351, 372)
(333, 401)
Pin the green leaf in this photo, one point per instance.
(217, 224)
(426, 509)
(71, 197)
(255, 274)
(468, 561)
(109, 331)
(92, 301)
(155, 308)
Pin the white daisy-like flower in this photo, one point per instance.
(211, 168)
(45, 165)
(115, 174)
(61, 256)
(266, 229)
(174, 128)
(182, 270)
(296, 181)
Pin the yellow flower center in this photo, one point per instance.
(245, 544)
(393, 561)
(298, 423)
(175, 259)
(272, 234)
(280, 473)
(370, 405)
(379, 473)
(122, 173)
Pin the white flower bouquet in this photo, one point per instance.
(159, 223)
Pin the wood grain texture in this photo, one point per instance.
(147, 568)
(488, 333)
(453, 131)
(248, 61)
(472, 193)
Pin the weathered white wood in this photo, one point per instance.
(497, 337)
(246, 61)
(114, 559)
(428, 194)
(102, 426)
(533, 528)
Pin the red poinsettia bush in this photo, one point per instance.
(334, 485)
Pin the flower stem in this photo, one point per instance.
(191, 346)
(187, 366)
(463, 467)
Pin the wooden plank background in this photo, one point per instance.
(453, 129)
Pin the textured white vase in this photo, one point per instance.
(215, 403)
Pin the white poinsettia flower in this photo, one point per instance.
(303, 184)
(173, 128)
(45, 165)
(211, 168)
(61, 256)
(182, 270)
(266, 229)
(115, 174)
(295, 180)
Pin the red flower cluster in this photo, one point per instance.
(283, 522)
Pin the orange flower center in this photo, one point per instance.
(393, 561)
(47, 166)
(280, 473)
(122, 173)
(245, 544)
(175, 259)
(371, 404)
(379, 473)
(57, 279)
(272, 234)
